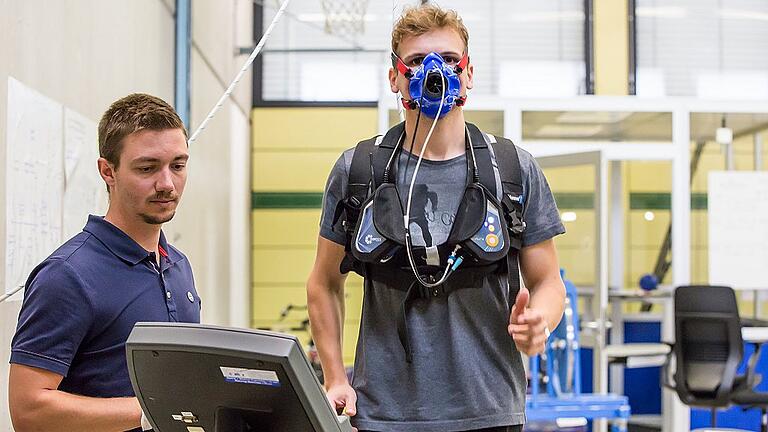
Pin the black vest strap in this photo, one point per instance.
(369, 158)
(513, 275)
(348, 208)
(382, 158)
(360, 171)
(511, 175)
(483, 159)
(509, 165)
(365, 172)
(463, 279)
(512, 198)
(368, 165)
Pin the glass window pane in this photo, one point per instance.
(702, 48)
(597, 126)
(519, 48)
(574, 191)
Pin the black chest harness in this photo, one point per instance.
(485, 237)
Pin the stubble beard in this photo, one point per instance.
(157, 220)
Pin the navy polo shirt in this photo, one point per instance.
(82, 302)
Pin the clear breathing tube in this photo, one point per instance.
(453, 261)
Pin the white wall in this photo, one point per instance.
(206, 227)
(86, 54)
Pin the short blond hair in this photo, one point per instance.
(417, 20)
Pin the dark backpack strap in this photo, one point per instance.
(512, 198)
(369, 159)
(509, 164)
(468, 278)
(387, 149)
(513, 274)
(358, 182)
(482, 154)
(348, 209)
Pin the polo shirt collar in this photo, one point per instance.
(171, 254)
(120, 244)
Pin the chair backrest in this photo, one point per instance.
(708, 344)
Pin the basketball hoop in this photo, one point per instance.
(344, 17)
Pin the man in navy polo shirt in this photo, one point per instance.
(68, 370)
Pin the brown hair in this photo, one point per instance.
(417, 20)
(130, 114)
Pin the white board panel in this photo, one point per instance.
(34, 181)
(84, 192)
(738, 229)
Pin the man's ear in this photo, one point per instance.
(393, 80)
(470, 72)
(107, 173)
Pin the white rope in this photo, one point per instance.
(6, 296)
(240, 74)
(218, 105)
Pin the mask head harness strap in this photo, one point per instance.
(461, 100)
(400, 66)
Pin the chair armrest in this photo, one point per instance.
(667, 380)
(753, 378)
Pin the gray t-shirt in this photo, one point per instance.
(466, 371)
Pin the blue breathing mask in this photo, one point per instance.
(428, 81)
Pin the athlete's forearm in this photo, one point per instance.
(326, 314)
(541, 272)
(548, 297)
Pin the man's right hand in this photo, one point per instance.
(325, 304)
(342, 398)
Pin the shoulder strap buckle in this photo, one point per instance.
(513, 209)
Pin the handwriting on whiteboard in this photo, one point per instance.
(34, 181)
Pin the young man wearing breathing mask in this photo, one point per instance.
(440, 219)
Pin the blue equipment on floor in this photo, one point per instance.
(563, 397)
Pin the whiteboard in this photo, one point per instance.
(738, 229)
(34, 181)
(51, 177)
(84, 190)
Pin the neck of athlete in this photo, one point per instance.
(447, 140)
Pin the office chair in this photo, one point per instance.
(708, 349)
(747, 397)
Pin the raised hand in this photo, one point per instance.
(526, 325)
